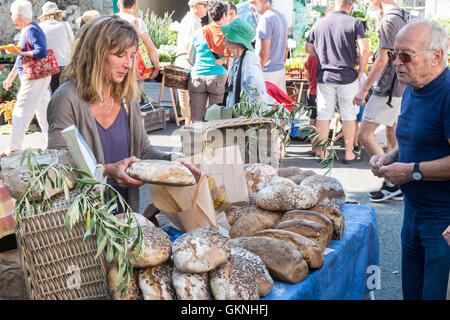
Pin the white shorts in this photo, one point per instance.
(377, 111)
(278, 78)
(326, 100)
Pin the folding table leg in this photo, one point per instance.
(174, 106)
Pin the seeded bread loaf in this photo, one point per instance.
(310, 229)
(336, 217)
(161, 172)
(156, 282)
(134, 292)
(284, 262)
(200, 250)
(157, 247)
(311, 251)
(234, 213)
(235, 279)
(191, 286)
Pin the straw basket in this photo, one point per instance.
(57, 264)
(176, 77)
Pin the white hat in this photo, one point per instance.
(51, 8)
(192, 2)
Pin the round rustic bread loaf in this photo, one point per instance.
(161, 172)
(200, 250)
(328, 190)
(191, 286)
(336, 217)
(310, 229)
(234, 213)
(134, 292)
(309, 215)
(156, 249)
(235, 279)
(257, 175)
(282, 194)
(289, 171)
(137, 218)
(156, 282)
(311, 251)
(259, 269)
(284, 262)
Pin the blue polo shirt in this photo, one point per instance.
(422, 132)
(37, 41)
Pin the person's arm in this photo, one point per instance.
(153, 53)
(364, 52)
(264, 52)
(377, 68)
(191, 54)
(286, 52)
(10, 79)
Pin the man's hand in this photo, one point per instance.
(360, 98)
(116, 172)
(195, 171)
(14, 52)
(446, 235)
(397, 173)
(379, 160)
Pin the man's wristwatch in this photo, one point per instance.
(416, 174)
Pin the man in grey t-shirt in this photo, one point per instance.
(271, 42)
(335, 40)
(385, 84)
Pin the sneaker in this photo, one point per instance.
(398, 197)
(386, 193)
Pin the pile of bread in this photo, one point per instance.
(199, 265)
(281, 235)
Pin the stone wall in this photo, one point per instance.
(75, 9)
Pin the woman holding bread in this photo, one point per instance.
(99, 95)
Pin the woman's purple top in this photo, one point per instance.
(116, 143)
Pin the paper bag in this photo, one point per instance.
(186, 207)
(225, 167)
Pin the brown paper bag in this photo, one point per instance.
(186, 207)
(226, 167)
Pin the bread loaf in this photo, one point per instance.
(282, 194)
(156, 282)
(156, 247)
(247, 220)
(200, 250)
(295, 174)
(133, 293)
(257, 175)
(311, 251)
(284, 262)
(336, 217)
(310, 229)
(309, 215)
(328, 190)
(191, 286)
(235, 279)
(161, 172)
(137, 218)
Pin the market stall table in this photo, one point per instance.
(345, 272)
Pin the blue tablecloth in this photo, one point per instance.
(343, 275)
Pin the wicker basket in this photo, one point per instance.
(57, 264)
(154, 118)
(201, 136)
(176, 77)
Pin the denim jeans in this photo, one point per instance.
(425, 255)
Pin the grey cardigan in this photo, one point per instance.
(66, 108)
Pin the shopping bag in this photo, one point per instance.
(186, 207)
(41, 68)
(144, 65)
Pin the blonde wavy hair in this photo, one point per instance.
(99, 38)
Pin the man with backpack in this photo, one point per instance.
(126, 9)
(383, 106)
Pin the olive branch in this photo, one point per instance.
(87, 200)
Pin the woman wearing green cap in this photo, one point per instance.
(245, 64)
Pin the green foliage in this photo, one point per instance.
(13, 90)
(88, 201)
(10, 57)
(295, 63)
(158, 28)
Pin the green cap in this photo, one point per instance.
(239, 31)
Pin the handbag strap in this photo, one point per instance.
(237, 92)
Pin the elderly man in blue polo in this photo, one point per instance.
(245, 70)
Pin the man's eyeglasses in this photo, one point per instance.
(403, 56)
(203, 4)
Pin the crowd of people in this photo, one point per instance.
(407, 90)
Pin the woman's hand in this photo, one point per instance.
(14, 52)
(116, 172)
(155, 73)
(195, 171)
(7, 83)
